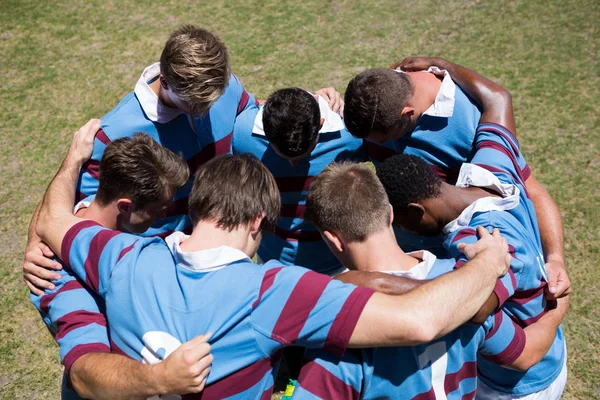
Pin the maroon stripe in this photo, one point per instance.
(267, 394)
(317, 380)
(80, 196)
(425, 396)
(469, 396)
(501, 171)
(298, 306)
(80, 350)
(464, 233)
(126, 250)
(345, 321)
(459, 264)
(47, 298)
(510, 138)
(498, 147)
(243, 102)
(452, 381)
(297, 235)
(77, 319)
(526, 322)
(292, 210)
(208, 152)
(101, 136)
(501, 293)
(178, 207)
(267, 282)
(240, 380)
(378, 152)
(526, 172)
(67, 242)
(525, 296)
(512, 351)
(92, 167)
(294, 183)
(497, 322)
(446, 174)
(513, 279)
(97, 244)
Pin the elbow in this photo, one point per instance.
(500, 97)
(41, 227)
(77, 380)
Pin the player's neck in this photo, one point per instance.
(103, 215)
(380, 252)
(454, 200)
(426, 87)
(206, 235)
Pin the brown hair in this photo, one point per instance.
(140, 169)
(195, 64)
(233, 190)
(374, 100)
(348, 199)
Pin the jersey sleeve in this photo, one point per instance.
(74, 316)
(505, 286)
(87, 185)
(498, 151)
(247, 100)
(504, 340)
(296, 306)
(323, 373)
(92, 252)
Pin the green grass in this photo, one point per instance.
(64, 62)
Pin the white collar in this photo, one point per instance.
(474, 175)
(333, 122)
(419, 271)
(204, 260)
(443, 106)
(81, 205)
(153, 108)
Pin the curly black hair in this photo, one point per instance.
(408, 179)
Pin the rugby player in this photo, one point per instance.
(350, 207)
(416, 108)
(159, 294)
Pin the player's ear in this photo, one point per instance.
(407, 111)
(391, 214)
(321, 122)
(163, 82)
(255, 225)
(334, 240)
(414, 214)
(125, 207)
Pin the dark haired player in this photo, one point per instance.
(491, 192)
(418, 109)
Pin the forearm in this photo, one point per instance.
(380, 282)
(112, 376)
(549, 221)
(32, 236)
(427, 312)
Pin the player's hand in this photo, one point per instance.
(559, 284)
(185, 370)
(494, 247)
(83, 141)
(334, 99)
(411, 64)
(38, 266)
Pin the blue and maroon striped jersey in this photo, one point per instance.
(296, 241)
(443, 369)
(157, 299)
(499, 166)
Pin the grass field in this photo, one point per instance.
(64, 62)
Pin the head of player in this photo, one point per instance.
(423, 204)
(235, 198)
(349, 206)
(194, 70)
(380, 105)
(291, 121)
(138, 179)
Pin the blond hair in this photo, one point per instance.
(347, 198)
(195, 65)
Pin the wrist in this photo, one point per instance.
(555, 258)
(155, 377)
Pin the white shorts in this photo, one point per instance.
(552, 392)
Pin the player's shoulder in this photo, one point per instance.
(127, 118)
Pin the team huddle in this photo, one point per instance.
(196, 236)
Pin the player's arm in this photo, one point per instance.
(380, 282)
(540, 336)
(438, 306)
(112, 376)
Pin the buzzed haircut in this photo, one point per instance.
(195, 64)
(347, 198)
(408, 179)
(291, 120)
(374, 101)
(140, 169)
(233, 190)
